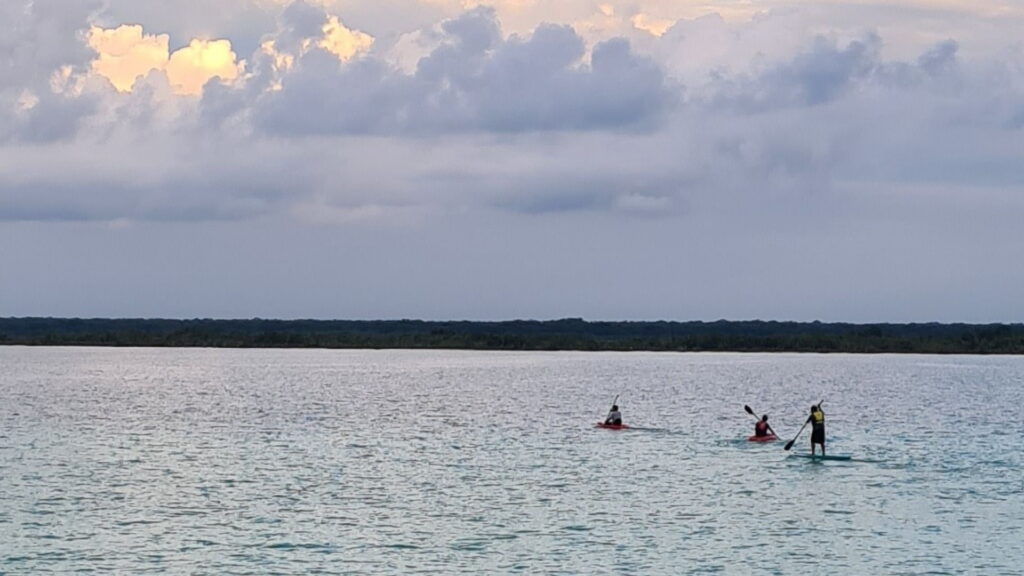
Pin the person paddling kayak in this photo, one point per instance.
(614, 416)
(762, 429)
(817, 422)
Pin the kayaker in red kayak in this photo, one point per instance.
(614, 416)
(762, 429)
(817, 422)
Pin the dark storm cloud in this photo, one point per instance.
(475, 81)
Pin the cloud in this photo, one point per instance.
(552, 146)
(940, 58)
(653, 26)
(817, 76)
(343, 42)
(36, 40)
(191, 67)
(542, 122)
(127, 178)
(474, 81)
(125, 54)
(244, 22)
(43, 116)
(826, 72)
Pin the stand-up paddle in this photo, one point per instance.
(790, 443)
(754, 414)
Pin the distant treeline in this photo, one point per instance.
(568, 334)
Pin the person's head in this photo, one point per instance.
(764, 418)
(814, 409)
(615, 407)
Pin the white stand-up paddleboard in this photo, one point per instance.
(820, 457)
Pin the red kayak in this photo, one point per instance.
(611, 426)
(768, 438)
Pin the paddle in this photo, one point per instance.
(610, 410)
(790, 443)
(754, 414)
(613, 402)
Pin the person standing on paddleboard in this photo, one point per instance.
(614, 417)
(761, 429)
(817, 422)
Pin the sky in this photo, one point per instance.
(854, 161)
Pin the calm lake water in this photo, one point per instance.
(138, 461)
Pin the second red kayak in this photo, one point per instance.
(768, 438)
(611, 426)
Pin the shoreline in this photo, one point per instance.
(521, 335)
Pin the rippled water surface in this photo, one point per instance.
(141, 461)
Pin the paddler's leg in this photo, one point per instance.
(818, 437)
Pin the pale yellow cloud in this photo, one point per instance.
(189, 68)
(126, 53)
(651, 25)
(343, 42)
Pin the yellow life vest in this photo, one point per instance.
(819, 417)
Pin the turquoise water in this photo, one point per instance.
(140, 461)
